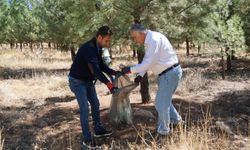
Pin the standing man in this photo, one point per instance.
(87, 67)
(162, 60)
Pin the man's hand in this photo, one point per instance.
(111, 88)
(114, 90)
(117, 73)
(126, 70)
(138, 79)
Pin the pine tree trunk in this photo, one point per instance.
(222, 65)
(233, 57)
(111, 53)
(21, 46)
(144, 88)
(49, 45)
(42, 45)
(199, 49)
(11, 45)
(31, 46)
(187, 46)
(229, 62)
(134, 52)
(178, 46)
(73, 53)
(54, 45)
(193, 45)
(230, 14)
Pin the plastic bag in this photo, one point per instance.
(120, 109)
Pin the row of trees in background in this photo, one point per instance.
(67, 23)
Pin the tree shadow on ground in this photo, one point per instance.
(62, 124)
(23, 124)
(231, 108)
(238, 74)
(17, 134)
(198, 64)
(8, 73)
(56, 59)
(50, 100)
(240, 71)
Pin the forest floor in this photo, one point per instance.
(38, 110)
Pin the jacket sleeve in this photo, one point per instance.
(92, 60)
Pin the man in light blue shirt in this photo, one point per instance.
(162, 60)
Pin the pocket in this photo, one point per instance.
(179, 72)
(73, 84)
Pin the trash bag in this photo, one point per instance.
(120, 109)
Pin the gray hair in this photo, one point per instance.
(137, 27)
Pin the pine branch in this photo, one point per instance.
(191, 5)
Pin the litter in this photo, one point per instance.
(120, 109)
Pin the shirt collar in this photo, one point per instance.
(97, 46)
(147, 39)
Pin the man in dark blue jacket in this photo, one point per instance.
(87, 67)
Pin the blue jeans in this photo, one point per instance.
(85, 92)
(167, 84)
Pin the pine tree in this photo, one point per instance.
(227, 28)
(3, 17)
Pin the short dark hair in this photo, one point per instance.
(103, 31)
(137, 27)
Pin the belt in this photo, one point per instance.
(175, 65)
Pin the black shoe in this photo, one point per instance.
(180, 123)
(156, 136)
(89, 144)
(101, 132)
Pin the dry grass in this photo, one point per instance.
(192, 137)
(38, 87)
(198, 74)
(193, 82)
(48, 60)
(201, 136)
(34, 89)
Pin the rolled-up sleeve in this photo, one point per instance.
(151, 55)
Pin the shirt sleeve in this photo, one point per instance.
(93, 64)
(149, 59)
(141, 73)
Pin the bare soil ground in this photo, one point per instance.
(38, 110)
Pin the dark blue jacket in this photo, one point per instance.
(88, 64)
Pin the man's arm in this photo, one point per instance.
(141, 73)
(105, 68)
(93, 64)
(150, 58)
